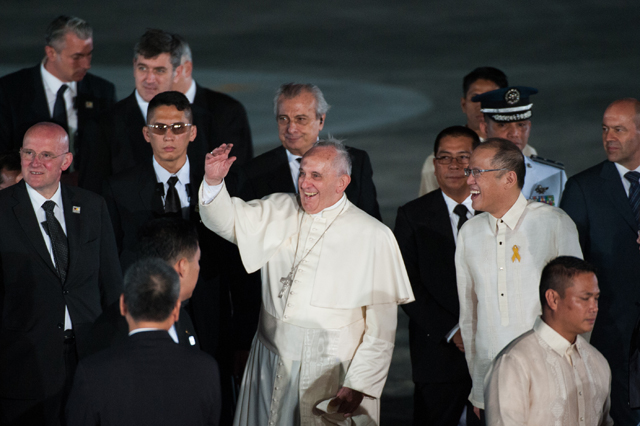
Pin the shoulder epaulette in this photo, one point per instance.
(556, 164)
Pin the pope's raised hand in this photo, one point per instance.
(217, 164)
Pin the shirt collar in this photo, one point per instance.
(144, 106)
(291, 157)
(191, 93)
(512, 216)
(53, 83)
(451, 203)
(559, 344)
(38, 199)
(341, 201)
(163, 174)
(142, 330)
(623, 170)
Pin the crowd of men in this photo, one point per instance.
(265, 290)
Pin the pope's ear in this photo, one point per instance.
(344, 181)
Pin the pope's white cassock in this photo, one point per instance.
(334, 326)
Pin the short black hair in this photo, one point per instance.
(170, 98)
(484, 73)
(559, 273)
(9, 161)
(456, 132)
(167, 238)
(508, 156)
(151, 290)
(155, 42)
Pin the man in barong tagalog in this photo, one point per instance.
(332, 279)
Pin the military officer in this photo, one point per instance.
(507, 114)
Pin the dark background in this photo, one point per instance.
(392, 72)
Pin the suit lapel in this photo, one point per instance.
(615, 191)
(281, 180)
(75, 226)
(29, 223)
(40, 106)
(149, 192)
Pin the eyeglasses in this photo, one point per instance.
(447, 159)
(478, 172)
(176, 128)
(29, 155)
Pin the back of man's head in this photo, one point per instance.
(155, 42)
(167, 238)
(558, 275)
(292, 90)
(10, 168)
(151, 290)
(171, 98)
(507, 156)
(63, 24)
(484, 73)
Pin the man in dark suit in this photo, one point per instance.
(59, 90)
(122, 145)
(301, 111)
(599, 200)
(230, 123)
(224, 318)
(175, 241)
(58, 271)
(148, 379)
(426, 229)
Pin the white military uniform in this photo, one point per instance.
(335, 326)
(543, 181)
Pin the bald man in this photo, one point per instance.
(58, 270)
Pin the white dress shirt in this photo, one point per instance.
(543, 379)
(451, 204)
(143, 105)
(498, 268)
(294, 166)
(191, 93)
(162, 175)
(51, 86)
(37, 200)
(623, 170)
(172, 331)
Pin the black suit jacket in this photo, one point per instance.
(111, 329)
(32, 298)
(596, 201)
(425, 238)
(133, 200)
(230, 123)
(148, 380)
(270, 173)
(122, 145)
(23, 103)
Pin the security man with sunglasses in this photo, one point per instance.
(166, 182)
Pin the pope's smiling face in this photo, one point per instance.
(320, 184)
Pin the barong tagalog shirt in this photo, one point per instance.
(542, 379)
(498, 267)
(334, 326)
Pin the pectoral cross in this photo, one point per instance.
(286, 283)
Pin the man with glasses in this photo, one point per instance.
(59, 89)
(301, 111)
(156, 66)
(58, 270)
(500, 255)
(426, 231)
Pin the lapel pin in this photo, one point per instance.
(76, 209)
(192, 340)
(88, 105)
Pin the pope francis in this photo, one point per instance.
(332, 279)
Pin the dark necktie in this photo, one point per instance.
(58, 238)
(634, 194)
(299, 160)
(172, 201)
(60, 108)
(461, 211)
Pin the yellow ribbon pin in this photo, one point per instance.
(516, 255)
